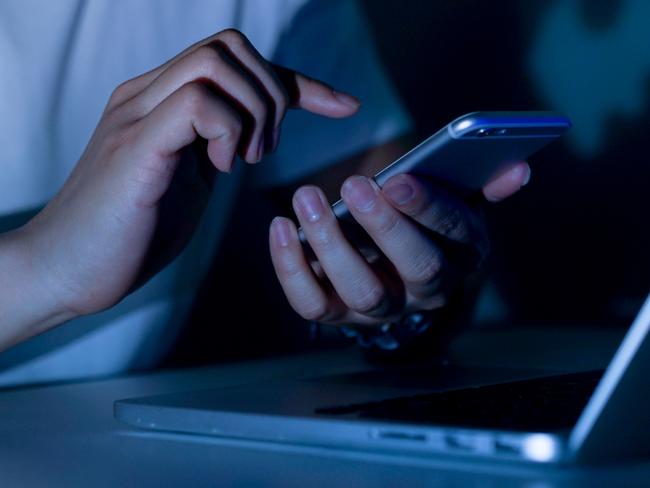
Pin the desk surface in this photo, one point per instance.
(65, 435)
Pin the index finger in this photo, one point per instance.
(304, 92)
(315, 96)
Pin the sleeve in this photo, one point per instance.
(330, 40)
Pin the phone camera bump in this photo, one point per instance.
(491, 132)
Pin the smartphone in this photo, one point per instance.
(473, 149)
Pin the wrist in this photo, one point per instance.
(27, 306)
(40, 280)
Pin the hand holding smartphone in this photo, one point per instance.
(471, 150)
(390, 256)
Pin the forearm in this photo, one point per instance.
(26, 308)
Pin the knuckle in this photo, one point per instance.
(387, 223)
(425, 269)
(113, 115)
(232, 129)
(192, 95)
(121, 136)
(322, 238)
(451, 224)
(437, 301)
(291, 269)
(281, 100)
(207, 57)
(313, 310)
(284, 101)
(120, 93)
(259, 109)
(369, 300)
(232, 37)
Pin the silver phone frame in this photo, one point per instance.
(514, 126)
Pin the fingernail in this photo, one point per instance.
(346, 99)
(260, 148)
(280, 232)
(310, 206)
(526, 176)
(360, 193)
(400, 194)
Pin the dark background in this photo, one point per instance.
(573, 246)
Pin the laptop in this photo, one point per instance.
(483, 413)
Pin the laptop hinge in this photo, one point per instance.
(615, 424)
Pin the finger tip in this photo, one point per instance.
(508, 183)
(349, 184)
(330, 107)
(343, 105)
(339, 111)
(490, 197)
(223, 167)
(526, 172)
(347, 100)
(280, 220)
(282, 232)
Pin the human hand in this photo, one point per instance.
(132, 202)
(428, 240)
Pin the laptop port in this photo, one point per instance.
(502, 446)
(395, 435)
(461, 442)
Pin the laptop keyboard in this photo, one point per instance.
(548, 404)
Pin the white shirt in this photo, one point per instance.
(60, 62)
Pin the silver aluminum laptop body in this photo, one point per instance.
(613, 425)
